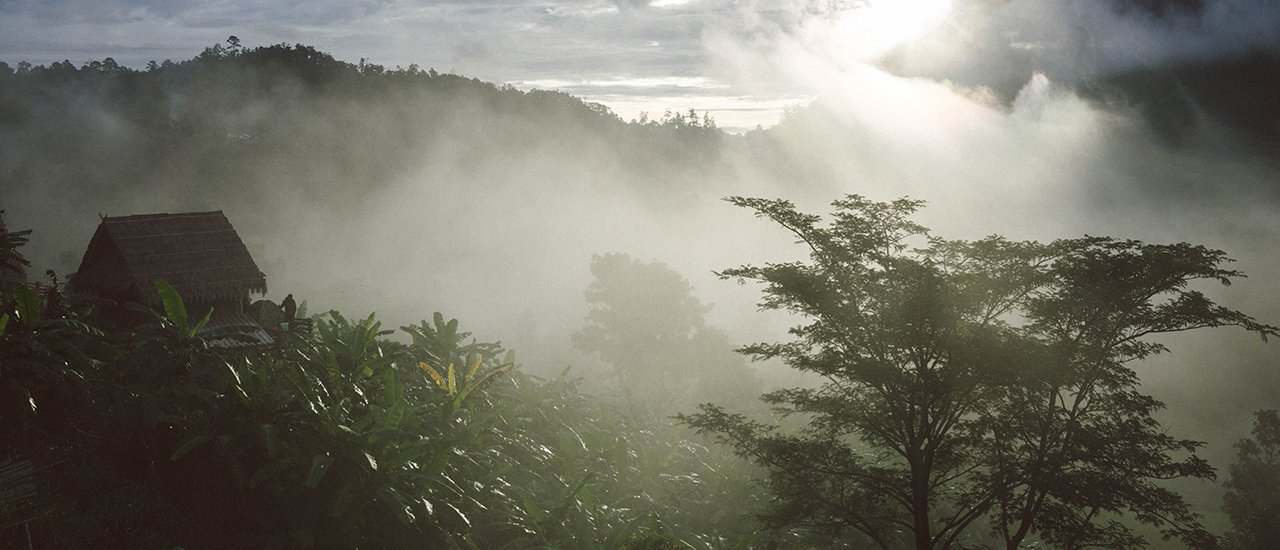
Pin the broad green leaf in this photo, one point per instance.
(476, 360)
(203, 321)
(395, 413)
(395, 392)
(531, 508)
(27, 305)
(435, 376)
(459, 513)
(239, 385)
(453, 382)
(486, 380)
(4, 321)
(559, 511)
(397, 504)
(174, 308)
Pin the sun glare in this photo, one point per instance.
(878, 26)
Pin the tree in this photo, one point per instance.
(1074, 445)
(1253, 488)
(647, 324)
(971, 379)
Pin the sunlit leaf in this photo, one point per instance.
(175, 309)
(435, 376)
(458, 513)
(397, 504)
(489, 377)
(27, 305)
(203, 321)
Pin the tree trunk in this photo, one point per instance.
(920, 506)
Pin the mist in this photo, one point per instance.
(364, 189)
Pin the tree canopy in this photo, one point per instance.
(648, 326)
(972, 382)
(1253, 487)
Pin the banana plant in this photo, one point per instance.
(472, 381)
(442, 343)
(175, 311)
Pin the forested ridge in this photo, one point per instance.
(235, 123)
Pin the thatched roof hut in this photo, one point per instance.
(199, 253)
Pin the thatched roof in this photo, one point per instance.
(199, 253)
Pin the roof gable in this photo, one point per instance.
(199, 253)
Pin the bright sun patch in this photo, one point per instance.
(880, 25)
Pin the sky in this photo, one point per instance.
(734, 58)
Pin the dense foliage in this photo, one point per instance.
(648, 326)
(973, 383)
(1253, 487)
(340, 438)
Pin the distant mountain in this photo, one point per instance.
(288, 128)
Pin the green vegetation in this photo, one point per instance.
(339, 439)
(648, 326)
(1253, 488)
(973, 383)
(971, 394)
(975, 393)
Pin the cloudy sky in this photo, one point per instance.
(744, 60)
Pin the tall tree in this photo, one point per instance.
(971, 379)
(1253, 488)
(646, 323)
(1074, 444)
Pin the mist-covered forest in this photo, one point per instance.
(1040, 325)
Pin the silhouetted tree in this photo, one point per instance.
(972, 379)
(1253, 488)
(646, 323)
